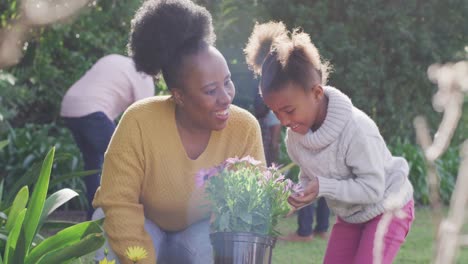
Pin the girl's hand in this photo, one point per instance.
(299, 200)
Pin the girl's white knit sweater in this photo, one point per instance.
(357, 174)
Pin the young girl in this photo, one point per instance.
(339, 149)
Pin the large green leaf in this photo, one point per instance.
(20, 252)
(3, 143)
(53, 224)
(83, 247)
(36, 204)
(3, 240)
(19, 204)
(64, 238)
(12, 241)
(54, 201)
(1, 192)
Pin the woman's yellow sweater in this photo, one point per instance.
(147, 173)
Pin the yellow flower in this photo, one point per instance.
(105, 261)
(136, 253)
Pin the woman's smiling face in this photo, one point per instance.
(208, 90)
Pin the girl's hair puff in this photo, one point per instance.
(261, 42)
(302, 46)
(290, 57)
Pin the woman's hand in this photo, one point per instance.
(306, 197)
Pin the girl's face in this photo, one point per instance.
(208, 91)
(298, 108)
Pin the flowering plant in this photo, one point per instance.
(134, 254)
(245, 196)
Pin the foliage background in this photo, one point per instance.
(380, 51)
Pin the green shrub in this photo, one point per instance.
(380, 49)
(20, 240)
(447, 170)
(58, 55)
(23, 155)
(417, 175)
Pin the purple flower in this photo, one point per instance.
(280, 178)
(231, 161)
(297, 189)
(205, 174)
(237, 177)
(275, 166)
(267, 175)
(288, 186)
(251, 160)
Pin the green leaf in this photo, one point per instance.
(54, 201)
(12, 241)
(286, 168)
(3, 143)
(72, 176)
(28, 160)
(246, 217)
(28, 178)
(63, 238)
(20, 252)
(83, 247)
(224, 222)
(36, 204)
(57, 224)
(38, 239)
(19, 204)
(1, 191)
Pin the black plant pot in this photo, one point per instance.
(241, 248)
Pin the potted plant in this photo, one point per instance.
(246, 199)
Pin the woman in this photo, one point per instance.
(148, 192)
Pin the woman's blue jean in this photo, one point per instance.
(189, 246)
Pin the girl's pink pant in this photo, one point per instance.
(354, 243)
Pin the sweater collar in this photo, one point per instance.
(339, 111)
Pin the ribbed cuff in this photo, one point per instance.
(327, 187)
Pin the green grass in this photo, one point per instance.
(418, 247)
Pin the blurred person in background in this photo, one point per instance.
(271, 130)
(93, 103)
